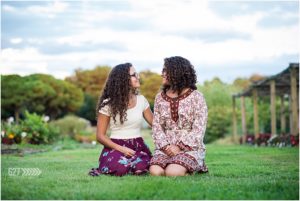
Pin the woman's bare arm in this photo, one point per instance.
(102, 126)
(148, 116)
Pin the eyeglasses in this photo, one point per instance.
(136, 75)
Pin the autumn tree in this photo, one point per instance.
(91, 82)
(150, 85)
(256, 77)
(242, 83)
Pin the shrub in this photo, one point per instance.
(217, 123)
(11, 133)
(284, 140)
(218, 96)
(85, 138)
(32, 129)
(38, 131)
(71, 125)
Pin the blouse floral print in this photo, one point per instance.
(181, 121)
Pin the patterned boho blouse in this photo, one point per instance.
(180, 121)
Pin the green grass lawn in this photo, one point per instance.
(235, 172)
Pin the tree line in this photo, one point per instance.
(78, 94)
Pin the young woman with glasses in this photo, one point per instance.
(122, 109)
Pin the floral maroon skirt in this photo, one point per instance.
(113, 162)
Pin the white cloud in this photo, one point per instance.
(28, 61)
(35, 41)
(146, 45)
(49, 10)
(170, 23)
(8, 8)
(16, 40)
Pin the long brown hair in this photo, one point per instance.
(116, 92)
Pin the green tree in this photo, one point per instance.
(39, 93)
(88, 109)
(13, 96)
(218, 96)
(68, 98)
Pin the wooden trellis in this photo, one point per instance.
(283, 84)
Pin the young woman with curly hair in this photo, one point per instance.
(180, 117)
(121, 108)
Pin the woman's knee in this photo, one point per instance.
(174, 170)
(156, 170)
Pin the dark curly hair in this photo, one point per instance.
(180, 74)
(116, 92)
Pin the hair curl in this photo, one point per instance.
(180, 74)
(116, 92)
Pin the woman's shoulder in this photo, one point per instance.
(142, 100)
(197, 94)
(158, 95)
(141, 97)
(106, 108)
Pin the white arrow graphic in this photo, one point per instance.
(31, 171)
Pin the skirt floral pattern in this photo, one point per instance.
(113, 162)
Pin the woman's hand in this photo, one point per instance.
(126, 151)
(172, 150)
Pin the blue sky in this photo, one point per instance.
(228, 39)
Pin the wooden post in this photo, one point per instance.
(234, 126)
(282, 116)
(244, 124)
(273, 107)
(255, 114)
(290, 114)
(294, 102)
